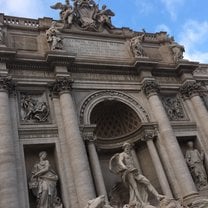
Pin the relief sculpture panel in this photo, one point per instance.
(34, 108)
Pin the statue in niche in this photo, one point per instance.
(34, 109)
(138, 185)
(195, 162)
(136, 45)
(43, 183)
(173, 108)
(52, 36)
(177, 51)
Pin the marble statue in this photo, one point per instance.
(85, 15)
(52, 36)
(138, 185)
(66, 13)
(177, 51)
(34, 109)
(136, 45)
(195, 162)
(98, 202)
(104, 16)
(43, 183)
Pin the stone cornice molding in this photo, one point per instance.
(150, 87)
(61, 85)
(6, 54)
(6, 84)
(190, 89)
(60, 58)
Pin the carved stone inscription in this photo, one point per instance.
(102, 49)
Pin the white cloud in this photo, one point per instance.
(26, 8)
(194, 37)
(144, 7)
(163, 27)
(172, 6)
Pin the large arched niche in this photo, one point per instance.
(118, 117)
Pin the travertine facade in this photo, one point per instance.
(73, 91)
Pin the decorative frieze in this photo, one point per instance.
(150, 87)
(173, 108)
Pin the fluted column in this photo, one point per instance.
(8, 175)
(77, 153)
(148, 137)
(188, 189)
(191, 90)
(90, 139)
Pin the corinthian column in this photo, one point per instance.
(148, 137)
(8, 178)
(176, 157)
(90, 138)
(190, 90)
(76, 149)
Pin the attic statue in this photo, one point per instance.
(138, 185)
(136, 45)
(85, 14)
(177, 51)
(53, 37)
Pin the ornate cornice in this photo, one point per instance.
(190, 89)
(6, 84)
(150, 87)
(61, 84)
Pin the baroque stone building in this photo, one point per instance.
(77, 89)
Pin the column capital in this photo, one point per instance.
(190, 89)
(88, 133)
(61, 85)
(149, 135)
(6, 84)
(150, 87)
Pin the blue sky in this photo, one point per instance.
(186, 20)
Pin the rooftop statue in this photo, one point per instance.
(136, 45)
(52, 36)
(85, 14)
(177, 50)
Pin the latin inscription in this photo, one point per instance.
(102, 49)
